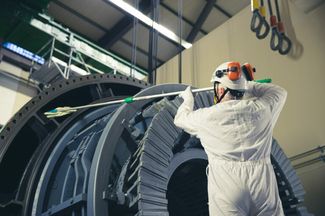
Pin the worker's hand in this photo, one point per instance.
(187, 93)
(188, 99)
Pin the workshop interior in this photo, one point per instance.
(90, 89)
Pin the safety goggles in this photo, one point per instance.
(233, 71)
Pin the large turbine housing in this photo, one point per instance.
(116, 160)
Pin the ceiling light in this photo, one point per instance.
(142, 17)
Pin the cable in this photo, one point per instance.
(155, 44)
(277, 10)
(270, 7)
(180, 33)
(134, 41)
(284, 42)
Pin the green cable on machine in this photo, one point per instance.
(62, 111)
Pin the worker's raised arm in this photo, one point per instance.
(186, 118)
(273, 95)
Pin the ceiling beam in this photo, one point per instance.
(200, 20)
(122, 26)
(149, 23)
(140, 50)
(171, 10)
(223, 11)
(91, 22)
(79, 15)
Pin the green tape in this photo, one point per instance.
(128, 100)
(267, 80)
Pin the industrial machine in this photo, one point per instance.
(125, 159)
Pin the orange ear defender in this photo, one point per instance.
(233, 71)
(249, 71)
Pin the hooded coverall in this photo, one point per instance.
(237, 137)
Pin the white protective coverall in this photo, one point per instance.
(237, 137)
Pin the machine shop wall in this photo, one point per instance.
(14, 92)
(301, 124)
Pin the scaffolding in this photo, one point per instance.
(67, 54)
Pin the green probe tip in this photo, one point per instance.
(128, 100)
(53, 111)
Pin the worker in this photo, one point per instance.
(236, 134)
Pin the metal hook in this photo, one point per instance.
(259, 33)
(259, 25)
(284, 44)
(275, 39)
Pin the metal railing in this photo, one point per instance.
(308, 156)
(73, 49)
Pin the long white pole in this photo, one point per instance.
(60, 111)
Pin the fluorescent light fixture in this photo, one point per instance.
(139, 15)
(21, 51)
